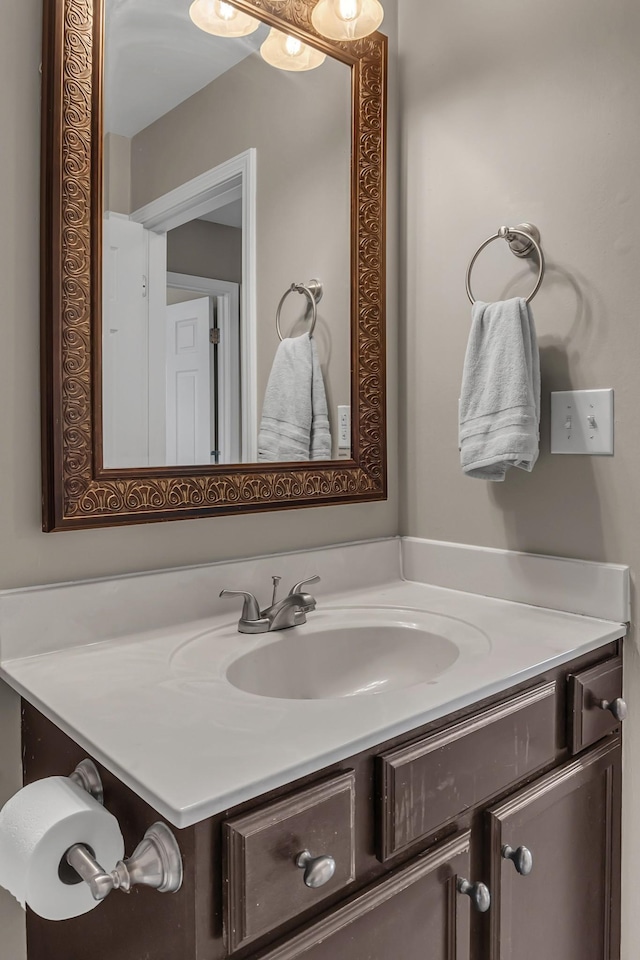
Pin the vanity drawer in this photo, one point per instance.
(432, 781)
(264, 885)
(589, 691)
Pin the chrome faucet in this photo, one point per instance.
(291, 611)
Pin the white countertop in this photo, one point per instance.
(195, 746)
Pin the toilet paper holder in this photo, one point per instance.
(156, 861)
(86, 776)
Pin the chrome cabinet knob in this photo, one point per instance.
(522, 859)
(478, 893)
(317, 870)
(616, 707)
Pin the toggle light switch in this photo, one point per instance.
(582, 422)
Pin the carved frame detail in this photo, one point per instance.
(77, 491)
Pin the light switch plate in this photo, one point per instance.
(582, 422)
(344, 427)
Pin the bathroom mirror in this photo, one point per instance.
(225, 181)
(204, 198)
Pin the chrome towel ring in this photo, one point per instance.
(312, 291)
(524, 240)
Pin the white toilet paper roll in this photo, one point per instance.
(37, 827)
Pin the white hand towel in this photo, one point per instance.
(295, 418)
(500, 396)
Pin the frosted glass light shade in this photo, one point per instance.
(347, 19)
(221, 19)
(289, 53)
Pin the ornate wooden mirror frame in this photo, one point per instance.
(77, 491)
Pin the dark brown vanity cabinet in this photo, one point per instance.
(264, 886)
(567, 906)
(490, 834)
(550, 855)
(415, 913)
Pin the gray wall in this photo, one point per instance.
(28, 556)
(511, 112)
(117, 173)
(300, 126)
(204, 249)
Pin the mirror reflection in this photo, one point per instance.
(226, 194)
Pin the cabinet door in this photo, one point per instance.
(567, 907)
(415, 913)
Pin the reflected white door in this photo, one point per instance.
(125, 344)
(189, 382)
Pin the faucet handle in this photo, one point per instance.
(250, 609)
(297, 587)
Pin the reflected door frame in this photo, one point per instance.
(234, 179)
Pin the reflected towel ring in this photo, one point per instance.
(523, 240)
(312, 291)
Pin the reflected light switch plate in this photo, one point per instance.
(582, 422)
(344, 427)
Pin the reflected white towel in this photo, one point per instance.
(295, 418)
(500, 395)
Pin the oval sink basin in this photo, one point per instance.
(355, 652)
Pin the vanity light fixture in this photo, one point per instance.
(347, 19)
(289, 53)
(221, 19)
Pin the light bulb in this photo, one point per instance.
(289, 53)
(347, 19)
(349, 9)
(293, 46)
(222, 19)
